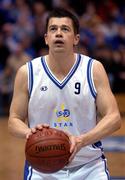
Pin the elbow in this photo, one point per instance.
(118, 121)
(10, 126)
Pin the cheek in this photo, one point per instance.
(49, 39)
(72, 41)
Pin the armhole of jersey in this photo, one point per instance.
(30, 77)
(90, 78)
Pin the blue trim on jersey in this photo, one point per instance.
(98, 144)
(27, 171)
(30, 77)
(89, 78)
(62, 84)
(106, 169)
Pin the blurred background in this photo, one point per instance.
(22, 28)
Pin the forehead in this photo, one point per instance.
(60, 21)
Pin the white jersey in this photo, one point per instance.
(68, 104)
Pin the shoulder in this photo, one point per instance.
(99, 74)
(97, 64)
(22, 70)
(21, 76)
(98, 68)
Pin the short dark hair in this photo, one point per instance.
(60, 13)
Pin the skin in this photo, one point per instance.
(61, 30)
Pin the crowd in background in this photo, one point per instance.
(22, 28)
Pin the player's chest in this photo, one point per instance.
(75, 90)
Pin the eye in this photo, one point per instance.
(52, 29)
(65, 29)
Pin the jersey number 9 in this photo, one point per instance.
(77, 87)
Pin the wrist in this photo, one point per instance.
(84, 139)
(80, 140)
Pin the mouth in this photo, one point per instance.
(59, 42)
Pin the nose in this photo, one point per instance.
(58, 33)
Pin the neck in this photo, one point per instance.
(61, 56)
(60, 63)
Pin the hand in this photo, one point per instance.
(33, 130)
(76, 145)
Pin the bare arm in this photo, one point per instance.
(106, 106)
(19, 105)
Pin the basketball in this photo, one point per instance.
(48, 150)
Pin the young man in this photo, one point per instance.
(66, 90)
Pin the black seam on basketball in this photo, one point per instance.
(63, 155)
(28, 147)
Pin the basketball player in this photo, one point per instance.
(66, 90)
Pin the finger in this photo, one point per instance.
(33, 130)
(73, 144)
(46, 125)
(72, 156)
(28, 135)
(70, 139)
(39, 126)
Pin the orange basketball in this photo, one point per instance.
(48, 150)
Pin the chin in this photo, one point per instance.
(59, 50)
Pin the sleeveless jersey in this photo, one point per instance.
(68, 104)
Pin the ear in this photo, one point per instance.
(45, 37)
(76, 39)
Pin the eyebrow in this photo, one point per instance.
(63, 25)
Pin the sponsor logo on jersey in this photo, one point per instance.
(62, 117)
(43, 88)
